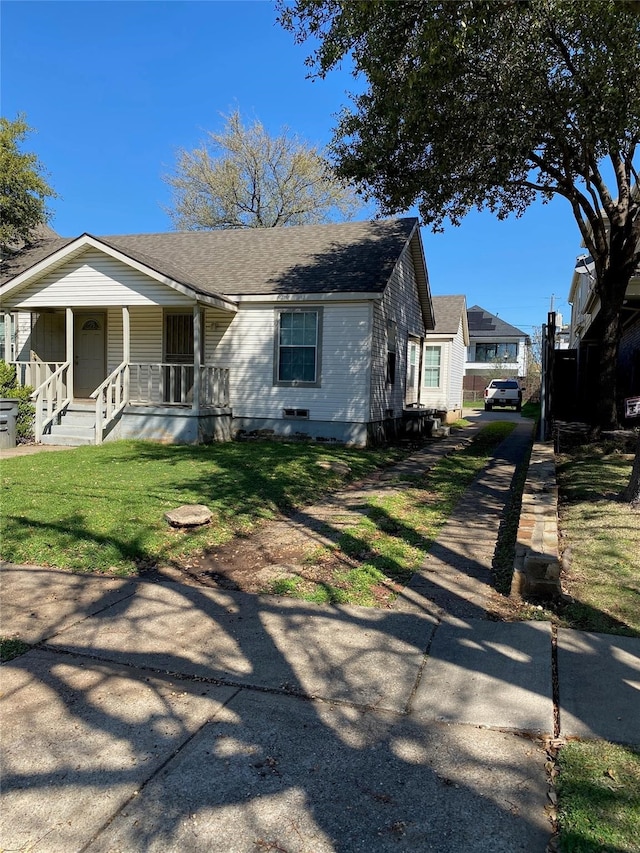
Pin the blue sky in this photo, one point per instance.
(113, 89)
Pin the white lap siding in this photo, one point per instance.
(146, 327)
(246, 347)
(456, 371)
(95, 280)
(437, 397)
(400, 305)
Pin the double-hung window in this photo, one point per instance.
(432, 359)
(297, 356)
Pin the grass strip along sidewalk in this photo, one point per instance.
(598, 788)
(600, 537)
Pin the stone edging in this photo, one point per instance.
(537, 560)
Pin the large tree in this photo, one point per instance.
(23, 188)
(474, 104)
(242, 177)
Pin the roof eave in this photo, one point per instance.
(86, 240)
(422, 275)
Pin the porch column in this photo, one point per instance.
(197, 360)
(69, 351)
(126, 347)
(8, 334)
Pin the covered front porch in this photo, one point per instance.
(67, 356)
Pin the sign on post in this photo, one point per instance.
(632, 407)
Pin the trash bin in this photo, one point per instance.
(8, 420)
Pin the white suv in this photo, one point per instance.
(503, 392)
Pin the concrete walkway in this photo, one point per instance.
(164, 717)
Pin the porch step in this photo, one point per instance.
(75, 427)
(64, 440)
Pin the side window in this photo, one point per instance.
(392, 335)
(432, 360)
(297, 347)
(413, 363)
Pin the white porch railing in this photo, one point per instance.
(111, 397)
(35, 373)
(51, 397)
(145, 384)
(172, 384)
(214, 386)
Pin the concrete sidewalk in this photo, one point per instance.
(157, 717)
(166, 717)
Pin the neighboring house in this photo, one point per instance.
(197, 336)
(444, 356)
(562, 333)
(586, 333)
(496, 349)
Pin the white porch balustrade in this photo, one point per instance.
(135, 384)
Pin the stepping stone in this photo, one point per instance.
(189, 515)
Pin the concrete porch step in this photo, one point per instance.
(66, 428)
(74, 427)
(63, 440)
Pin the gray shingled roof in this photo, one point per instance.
(337, 257)
(482, 324)
(25, 258)
(448, 312)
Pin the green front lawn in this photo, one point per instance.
(102, 508)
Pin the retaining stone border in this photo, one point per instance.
(537, 560)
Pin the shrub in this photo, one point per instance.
(10, 389)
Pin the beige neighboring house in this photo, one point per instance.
(444, 357)
(308, 331)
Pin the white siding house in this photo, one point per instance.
(444, 356)
(496, 350)
(303, 331)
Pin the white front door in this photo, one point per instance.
(89, 353)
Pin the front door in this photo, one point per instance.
(90, 367)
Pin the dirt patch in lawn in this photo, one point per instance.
(303, 549)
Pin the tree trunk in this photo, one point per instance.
(606, 400)
(611, 289)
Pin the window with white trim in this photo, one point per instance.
(432, 362)
(297, 355)
(392, 335)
